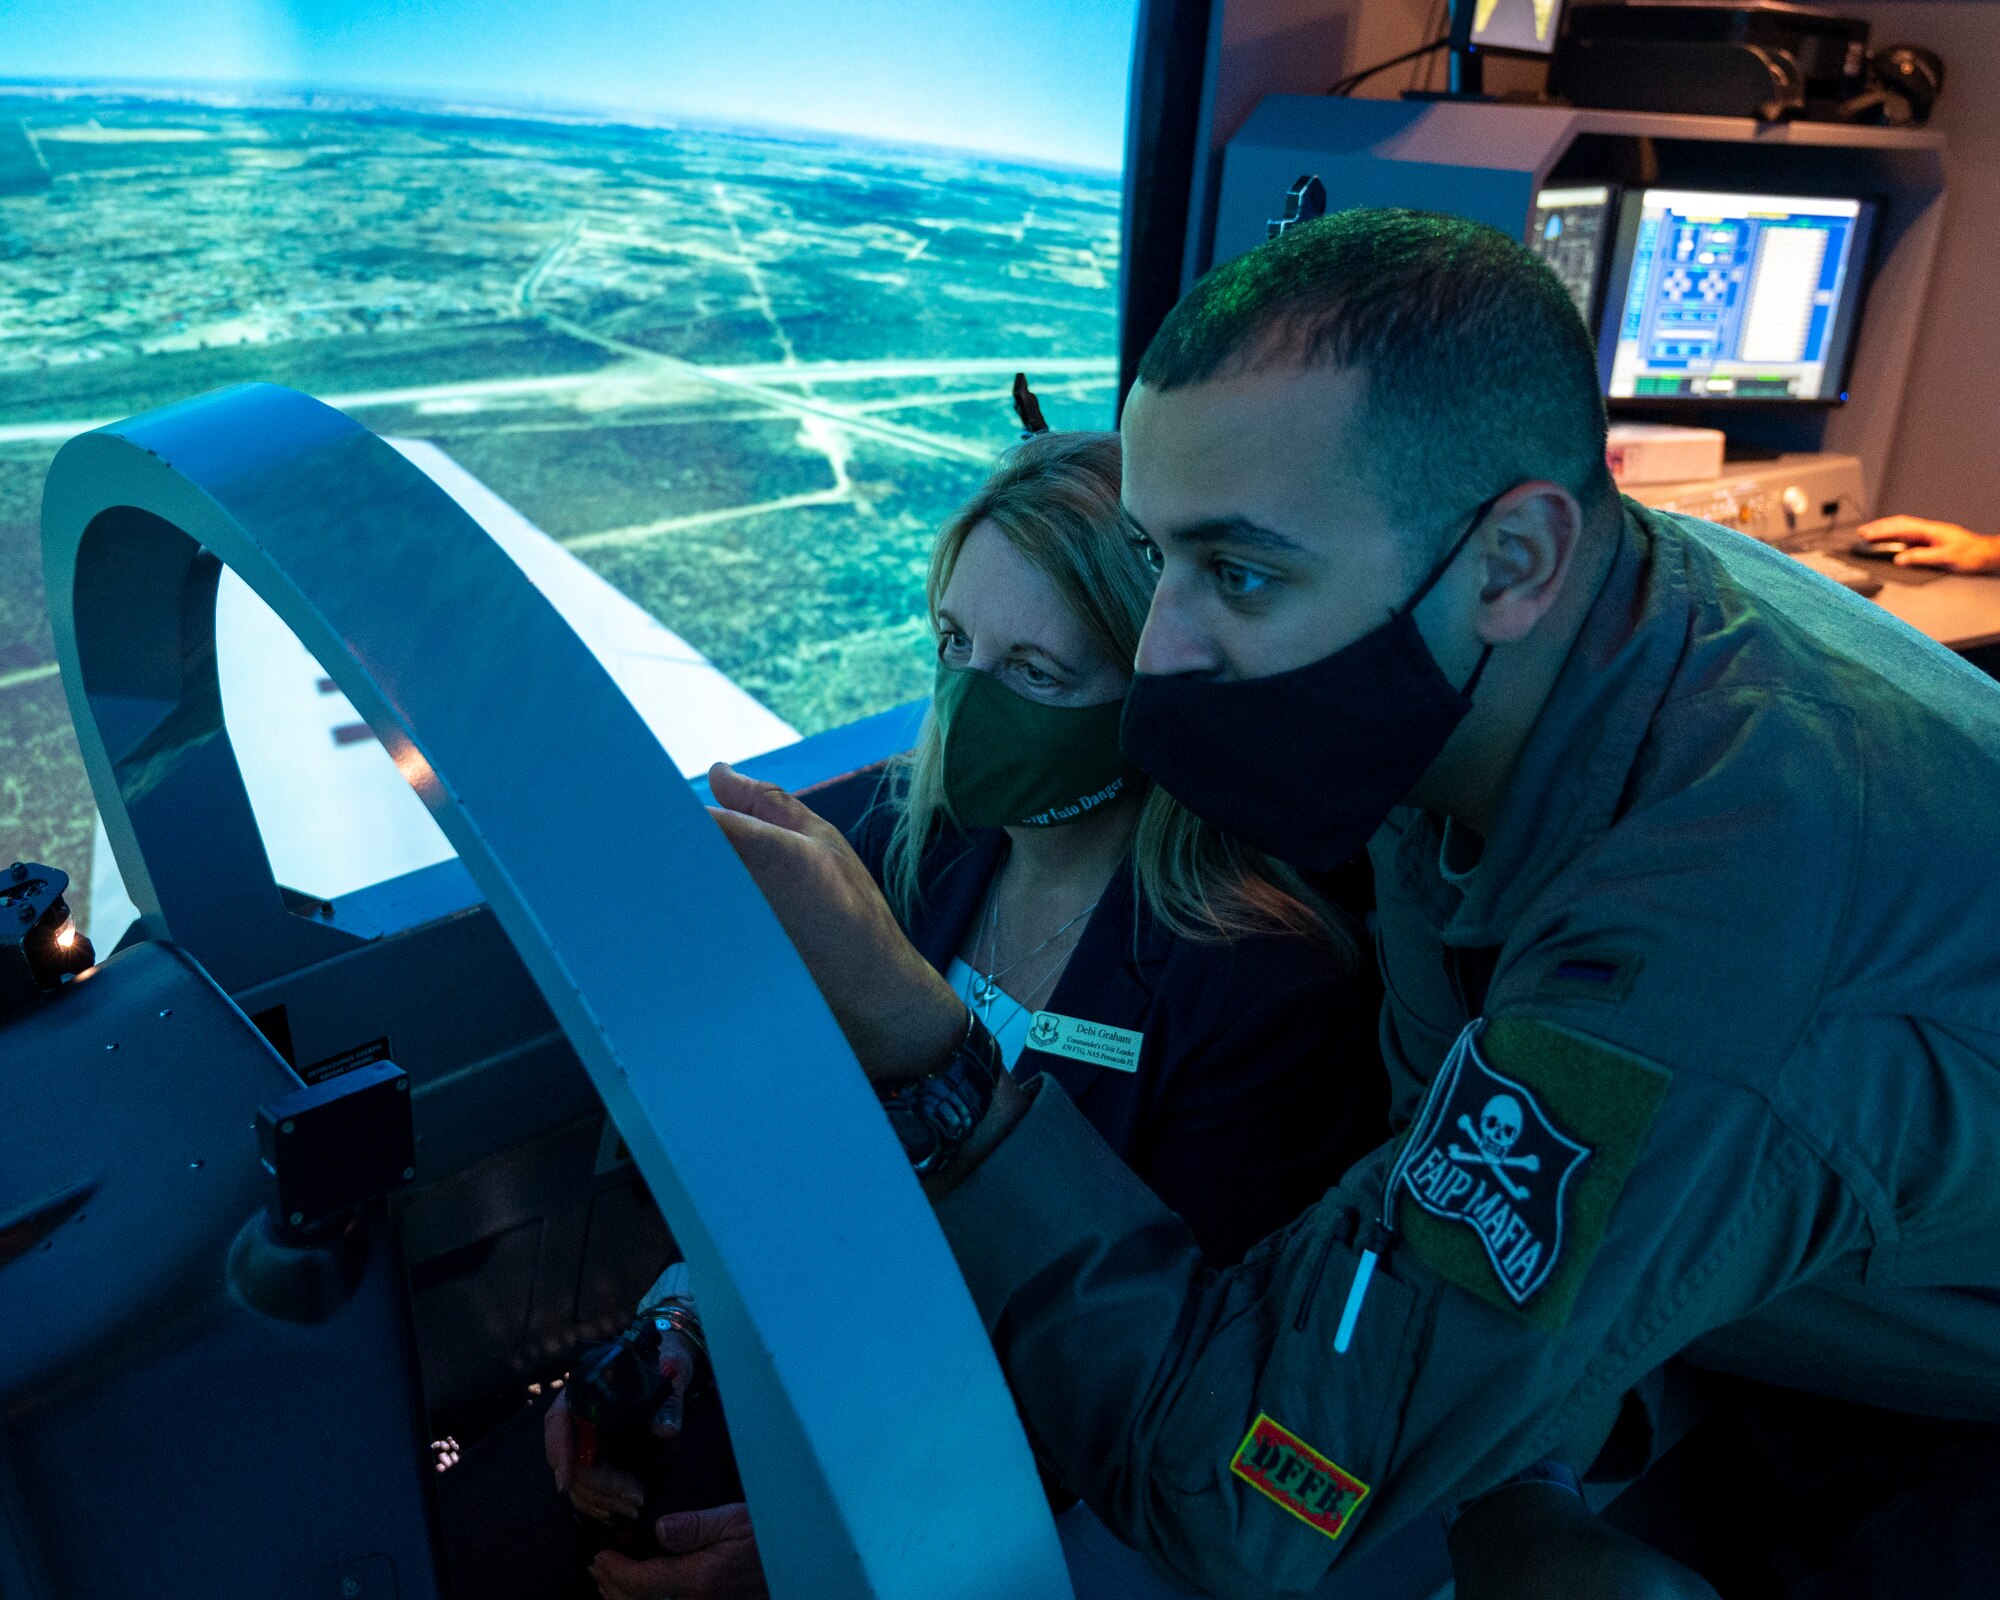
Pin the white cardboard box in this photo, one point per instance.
(1659, 452)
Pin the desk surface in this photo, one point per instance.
(1962, 613)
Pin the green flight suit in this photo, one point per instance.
(1736, 938)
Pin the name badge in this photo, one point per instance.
(1096, 1043)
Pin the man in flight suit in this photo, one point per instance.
(1687, 929)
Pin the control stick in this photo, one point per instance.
(629, 1400)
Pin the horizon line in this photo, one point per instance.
(441, 102)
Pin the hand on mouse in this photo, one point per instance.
(1936, 544)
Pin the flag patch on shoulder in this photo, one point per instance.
(1519, 1155)
(1278, 1463)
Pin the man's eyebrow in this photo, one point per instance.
(1223, 530)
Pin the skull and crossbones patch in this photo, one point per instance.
(1485, 1154)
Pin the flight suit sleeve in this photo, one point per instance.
(1232, 1429)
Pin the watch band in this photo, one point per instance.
(935, 1115)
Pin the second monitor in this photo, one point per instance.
(1733, 297)
(1569, 229)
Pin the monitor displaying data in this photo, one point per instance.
(1527, 25)
(1726, 297)
(1570, 229)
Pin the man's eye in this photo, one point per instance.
(1148, 551)
(1237, 582)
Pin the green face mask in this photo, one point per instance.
(1010, 761)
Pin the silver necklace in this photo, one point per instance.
(986, 990)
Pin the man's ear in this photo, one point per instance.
(1530, 542)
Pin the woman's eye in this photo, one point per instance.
(1237, 582)
(952, 644)
(1038, 678)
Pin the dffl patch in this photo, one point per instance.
(1486, 1156)
(1282, 1465)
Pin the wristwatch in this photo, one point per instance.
(934, 1116)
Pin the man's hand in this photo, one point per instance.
(1937, 544)
(711, 1555)
(899, 1015)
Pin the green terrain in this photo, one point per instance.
(743, 376)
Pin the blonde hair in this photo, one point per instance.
(1054, 497)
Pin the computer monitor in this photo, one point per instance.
(1571, 230)
(1528, 26)
(1733, 297)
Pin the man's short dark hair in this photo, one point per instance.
(1480, 372)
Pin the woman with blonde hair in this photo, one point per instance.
(1204, 1009)
(1188, 992)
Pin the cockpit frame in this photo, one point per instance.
(877, 1441)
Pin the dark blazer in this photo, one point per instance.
(1259, 1080)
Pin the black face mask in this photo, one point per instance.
(1306, 765)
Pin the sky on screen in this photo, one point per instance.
(1042, 79)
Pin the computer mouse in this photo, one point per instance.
(1878, 549)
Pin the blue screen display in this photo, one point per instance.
(1735, 296)
(1569, 229)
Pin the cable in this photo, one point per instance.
(1355, 79)
(1347, 84)
(1440, 20)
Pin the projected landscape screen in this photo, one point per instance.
(736, 368)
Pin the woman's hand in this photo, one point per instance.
(711, 1555)
(1936, 544)
(898, 1013)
